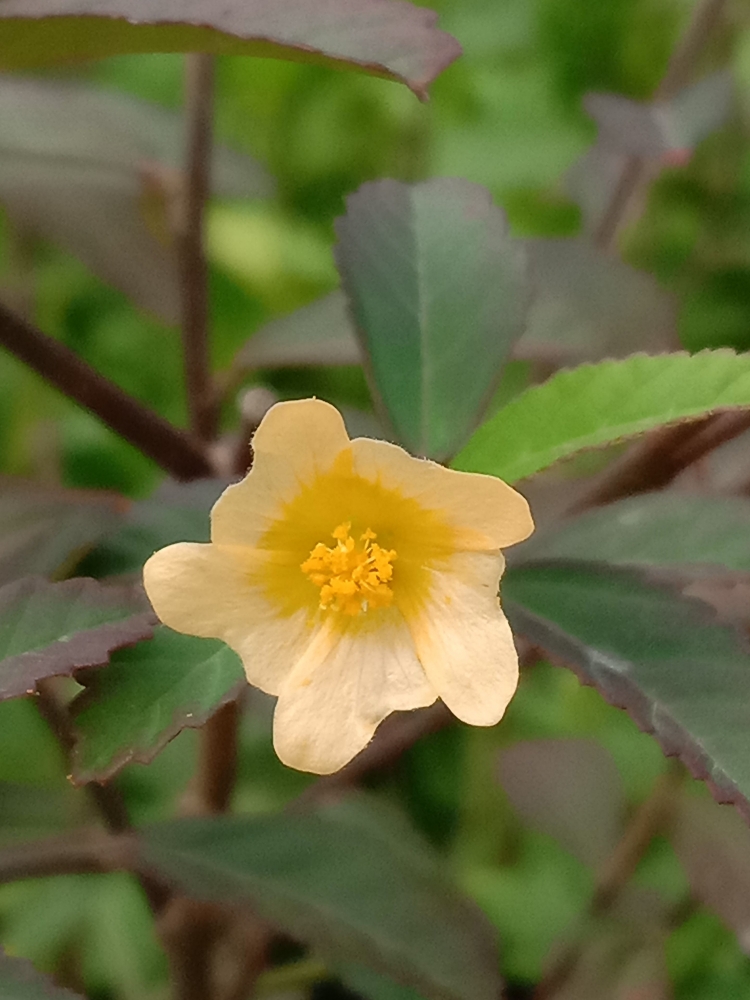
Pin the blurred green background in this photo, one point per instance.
(509, 116)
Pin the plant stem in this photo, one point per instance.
(650, 819)
(172, 449)
(105, 798)
(191, 930)
(635, 173)
(199, 95)
(655, 462)
(665, 453)
(80, 852)
(217, 767)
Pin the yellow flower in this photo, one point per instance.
(353, 580)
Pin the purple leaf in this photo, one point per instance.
(387, 38)
(54, 629)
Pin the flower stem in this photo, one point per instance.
(174, 450)
(105, 798)
(635, 174)
(199, 96)
(649, 820)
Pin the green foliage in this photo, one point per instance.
(663, 657)
(357, 886)
(396, 41)
(657, 529)
(54, 629)
(597, 405)
(147, 695)
(434, 284)
(524, 816)
(20, 981)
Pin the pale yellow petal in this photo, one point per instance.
(204, 590)
(487, 512)
(296, 442)
(343, 687)
(464, 641)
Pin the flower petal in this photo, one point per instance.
(464, 641)
(296, 441)
(205, 590)
(487, 512)
(343, 687)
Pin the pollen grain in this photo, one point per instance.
(352, 577)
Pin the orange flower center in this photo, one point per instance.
(352, 577)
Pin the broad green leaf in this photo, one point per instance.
(373, 985)
(54, 629)
(341, 880)
(586, 306)
(438, 291)
(662, 657)
(44, 530)
(596, 405)
(387, 38)
(146, 696)
(656, 529)
(77, 164)
(19, 980)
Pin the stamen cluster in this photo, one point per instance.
(352, 578)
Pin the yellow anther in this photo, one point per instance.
(351, 578)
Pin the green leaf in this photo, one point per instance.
(146, 696)
(54, 629)
(438, 291)
(77, 164)
(386, 38)
(657, 529)
(367, 983)
(19, 980)
(662, 657)
(341, 880)
(596, 405)
(43, 530)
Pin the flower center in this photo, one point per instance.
(352, 577)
